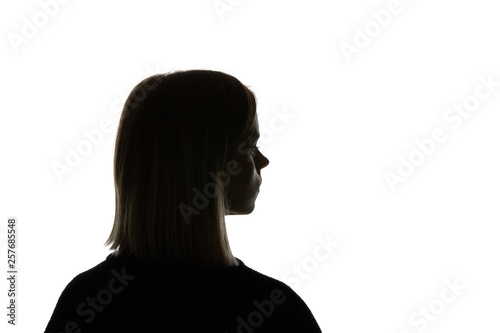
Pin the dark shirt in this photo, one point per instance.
(123, 294)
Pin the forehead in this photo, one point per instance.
(254, 134)
(255, 131)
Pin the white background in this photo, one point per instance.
(352, 117)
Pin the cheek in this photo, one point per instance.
(247, 178)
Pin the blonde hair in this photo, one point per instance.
(176, 132)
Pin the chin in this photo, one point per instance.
(249, 209)
(242, 210)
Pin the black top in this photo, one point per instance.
(122, 294)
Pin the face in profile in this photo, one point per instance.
(244, 186)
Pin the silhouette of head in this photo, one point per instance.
(185, 157)
(244, 185)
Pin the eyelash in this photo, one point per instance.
(254, 148)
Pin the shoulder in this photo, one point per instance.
(267, 281)
(285, 303)
(93, 275)
(74, 296)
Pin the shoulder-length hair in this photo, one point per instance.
(176, 133)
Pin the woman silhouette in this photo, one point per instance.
(185, 157)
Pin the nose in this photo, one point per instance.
(265, 161)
